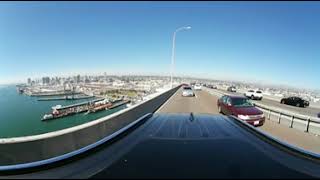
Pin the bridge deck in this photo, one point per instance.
(206, 103)
(203, 102)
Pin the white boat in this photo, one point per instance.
(105, 101)
(56, 107)
(47, 116)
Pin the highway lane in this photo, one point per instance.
(292, 136)
(308, 111)
(207, 103)
(203, 102)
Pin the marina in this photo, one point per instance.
(26, 120)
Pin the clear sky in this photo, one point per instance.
(277, 42)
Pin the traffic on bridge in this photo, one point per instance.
(205, 103)
(308, 111)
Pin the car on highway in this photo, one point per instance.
(242, 108)
(187, 91)
(254, 94)
(197, 87)
(232, 89)
(211, 86)
(318, 115)
(295, 101)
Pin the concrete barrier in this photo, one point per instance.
(45, 146)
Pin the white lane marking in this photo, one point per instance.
(163, 105)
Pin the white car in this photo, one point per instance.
(187, 91)
(254, 94)
(197, 87)
(232, 89)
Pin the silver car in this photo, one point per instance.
(197, 87)
(187, 91)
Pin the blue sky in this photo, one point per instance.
(271, 42)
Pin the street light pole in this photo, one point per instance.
(173, 51)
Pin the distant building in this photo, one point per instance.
(29, 81)
(46, 80)
(57, 80)
(78, 79)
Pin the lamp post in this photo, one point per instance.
(173, 49)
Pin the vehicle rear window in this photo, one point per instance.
(187, 88)
(259, 92)
(241, 102)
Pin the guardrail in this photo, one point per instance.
(73, 153)
(311, 124)
(269, 137)
(42, 148)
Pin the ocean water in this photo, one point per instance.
(20, 115)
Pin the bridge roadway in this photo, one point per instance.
(206, 103)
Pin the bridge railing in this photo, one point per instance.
(292, 119)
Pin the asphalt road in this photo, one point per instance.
(203, 102)
(292, 136)
(308, 111)
(207, 103)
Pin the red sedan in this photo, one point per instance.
(242, 108)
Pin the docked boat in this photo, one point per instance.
(47, 117)
(57, 114)
(100, 105)
(59, 111)
(56, 107)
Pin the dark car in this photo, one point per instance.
(242, 108)
(232, 89)
(318, 115)
(212, 86)
(295, 101)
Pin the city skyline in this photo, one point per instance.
(265, 42)
(195, 78)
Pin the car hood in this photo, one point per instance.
(247, 110)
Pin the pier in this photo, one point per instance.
(65, 98)
(89, 106)
(38, 94)
(80, 104)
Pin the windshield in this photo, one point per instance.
(187, 88)
(241, 102)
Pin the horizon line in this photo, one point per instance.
(232, 80)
